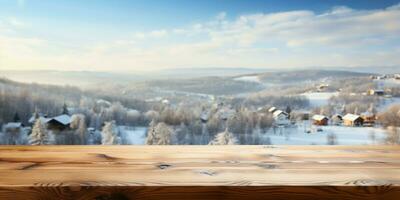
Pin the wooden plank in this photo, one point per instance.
(199, 172)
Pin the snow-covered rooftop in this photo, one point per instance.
(63, 119)
(13, 125)
(351, 117)
(279, 112)
(319, 117)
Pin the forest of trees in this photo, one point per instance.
(167, 124)
(97, 116)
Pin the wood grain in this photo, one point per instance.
(199, 172)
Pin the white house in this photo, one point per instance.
(280, 117)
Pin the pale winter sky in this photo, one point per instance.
(149, 35)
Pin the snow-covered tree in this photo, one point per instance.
(39, 135)
(109, 134)
(78, 123)
(133, 117)
(224, 138)
(16, 117)
(160, 134)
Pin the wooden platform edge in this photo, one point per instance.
(201, 192)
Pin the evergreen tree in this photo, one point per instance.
(288, 111)
(39, 135)
(65, 110)
(16, 117)
(224, 138)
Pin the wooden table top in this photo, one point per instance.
(75, 168)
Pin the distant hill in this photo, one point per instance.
(74, 78)
(305, 75)
(205, 72)
(90, 79)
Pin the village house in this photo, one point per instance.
(12, 127)
(320, 120)
(373, 92)
(58, 123)
(337, 119)
(352, 120)
(281, 117)
(369, 118)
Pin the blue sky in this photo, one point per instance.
(149, 35)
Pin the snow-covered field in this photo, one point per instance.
(344, 135)
(133, 135)
(319, 98)
(291, 135)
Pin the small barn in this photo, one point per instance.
(352, 120)
(59, 123)
(320, 120)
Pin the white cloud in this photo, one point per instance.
(340, 36)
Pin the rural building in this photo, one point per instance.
(352, 120)
(369, 118)
(12, 127)
(59, 123)
(376, 92)
(320, 120)
(280, 117)
(337, 119)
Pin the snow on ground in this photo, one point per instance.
(344, 135)
(133, 135)
(254, 79)
(319, 98)
(290, 135)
